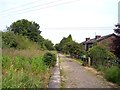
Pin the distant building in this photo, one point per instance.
(104, 41)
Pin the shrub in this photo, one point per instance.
(49, 59)
(10, 40)
(113, 74)
(100, 56)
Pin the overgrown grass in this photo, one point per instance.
(113, 74)
(11, 52)
(24, 69)
(62, 75)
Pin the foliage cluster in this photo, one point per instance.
(104, 60)
(68, 46)
(24, 30)
(49, 59)
(48, 44)
(113, 74)
(23, 49)
(62, 46)
(10, 40)
(100, 56)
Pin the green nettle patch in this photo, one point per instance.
(113, 74)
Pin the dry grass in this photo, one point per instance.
(24, 53)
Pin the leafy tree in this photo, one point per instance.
(68, 46)
(62, 46)
(76, 49)
(30, 30)
(57, 47)
(116, 42)
(69, 38)
(26, 28)
(48, 44)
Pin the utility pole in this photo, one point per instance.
(119, 12)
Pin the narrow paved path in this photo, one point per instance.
(76, 76)
(55, 78)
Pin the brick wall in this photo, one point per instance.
(107, 43)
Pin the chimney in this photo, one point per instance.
(87, 39)
(97, 36)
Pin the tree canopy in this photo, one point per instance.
(26, 28)
(48, 44)
(29, 30)
(68, 46)
(62, 46)
(116, 42)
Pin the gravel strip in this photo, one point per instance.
(78, 77)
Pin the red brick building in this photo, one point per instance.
(104, 41)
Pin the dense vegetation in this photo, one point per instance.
(105, 61)
(113, 74)
(26, 28)
(68, 46)
(27, 63)
(49, 59)
(11, 40)
(100, 56)
(29, 30)
(24, 69)
(25, 55)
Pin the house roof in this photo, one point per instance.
(99, 39)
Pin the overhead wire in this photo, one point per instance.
(38, 7)
(25, 4)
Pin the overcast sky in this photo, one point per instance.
(59, 18)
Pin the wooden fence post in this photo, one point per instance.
(89, 61)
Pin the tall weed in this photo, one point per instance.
(24, 69)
